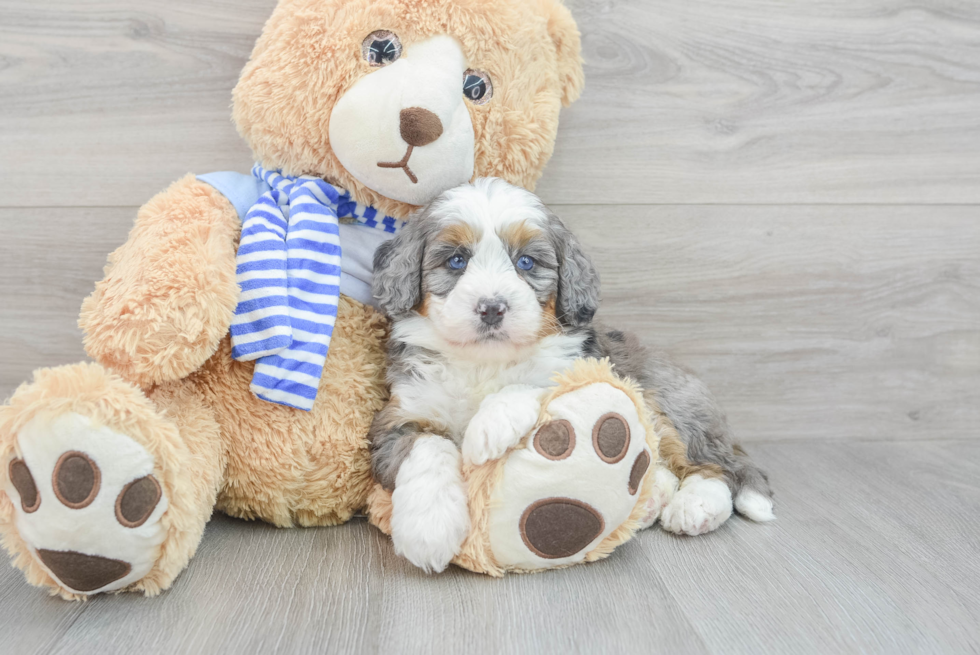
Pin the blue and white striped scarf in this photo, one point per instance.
(288, 268)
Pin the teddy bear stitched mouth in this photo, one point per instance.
(418, 127)
(403, 164)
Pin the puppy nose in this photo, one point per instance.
(492, 311)
(419, 126)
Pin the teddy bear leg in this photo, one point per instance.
(104, 489)
(429, 514)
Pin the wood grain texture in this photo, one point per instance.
(706, 102)
(876, 550)
(51, 261)
(88, 88)
(806, 321)
(777, 193)
(774, 102)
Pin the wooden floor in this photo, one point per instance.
(875, 551)
(784, 195)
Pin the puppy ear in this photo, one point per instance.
(397, 283)
(578, 279)
(564, 32)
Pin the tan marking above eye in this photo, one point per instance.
(518, 235)
(76, 480)
(611, 437)
(459, 234)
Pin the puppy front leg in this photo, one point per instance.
(501, 422)
(430, 517)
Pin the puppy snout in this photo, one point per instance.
(419, 127)
(491, 311)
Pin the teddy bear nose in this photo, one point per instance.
(419, 126)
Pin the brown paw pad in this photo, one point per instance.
(76, 480)
(83, 572)
(555, 440)
(560, 527)
(137, 500)
(640, 466)
(23, 481)
(611, 437)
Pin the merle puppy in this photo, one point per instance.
(490, 296)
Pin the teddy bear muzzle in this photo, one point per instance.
(404, 129)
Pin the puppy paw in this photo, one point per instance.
(665, 486)
(753, 505)
(700, 505)
(430, 518)
(501, 422)
(86, 503)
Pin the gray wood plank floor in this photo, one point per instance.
(860, 101)
(875, 550)
(784, 195)
(807, 322)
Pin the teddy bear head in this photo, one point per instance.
(399, 100)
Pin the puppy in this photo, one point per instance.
(490, 296)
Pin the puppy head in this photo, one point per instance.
(486, 268)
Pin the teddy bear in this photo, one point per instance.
(237, 358)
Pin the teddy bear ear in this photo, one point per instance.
(564, 32)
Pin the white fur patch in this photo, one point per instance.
(700, 505)
(502, 420)
(448, 389)
(430, 517)
(753, 505)
(665, 486)
(489, 205)
(91, 530)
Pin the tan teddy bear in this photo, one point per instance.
(110, 470)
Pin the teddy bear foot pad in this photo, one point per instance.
(86, 503)
(593, 452)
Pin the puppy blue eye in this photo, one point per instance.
(525, 263)
(457, 262)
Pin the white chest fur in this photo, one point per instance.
(447, 390)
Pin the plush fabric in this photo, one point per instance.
(531, 47)
(157, 324)
(288, 269)
(357, 264)
(491, 497)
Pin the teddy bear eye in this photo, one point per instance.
(477, 87)
(381, 48)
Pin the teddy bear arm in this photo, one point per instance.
(169, 293)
